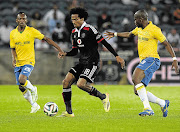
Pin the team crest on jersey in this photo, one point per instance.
(83, 35)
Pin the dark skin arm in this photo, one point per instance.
(171, 52)
(51, 42)
(13, 52)
(123, 34)
(165, 43)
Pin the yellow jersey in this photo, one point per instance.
(148, 40)
(23, 43)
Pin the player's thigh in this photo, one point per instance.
(25, 72)
(22, 77)
(81, 82)
(69, 79)
(138, 75)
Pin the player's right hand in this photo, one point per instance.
(175, 65)
(108, 35)
(14, 63)
(120, 61)
(61, 55)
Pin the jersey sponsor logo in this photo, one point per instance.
(18, 43)
(143, 38)
(22, 44)
(82, 45)
(27, 42)
(79, 41)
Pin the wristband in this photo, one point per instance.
(174, 58)
(115, 34)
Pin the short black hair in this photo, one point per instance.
(21, 13)
(142, 14)
(82, 12)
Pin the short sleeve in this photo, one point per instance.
(135, 31)
(12, 44)
(159, 35)
(37, 34)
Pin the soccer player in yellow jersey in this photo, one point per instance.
(23, 57)
(148, 37)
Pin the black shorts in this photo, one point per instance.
(87, 72)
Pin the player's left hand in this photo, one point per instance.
(175, 65)
(61, 55)
(120, 61)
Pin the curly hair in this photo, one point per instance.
(82, 13)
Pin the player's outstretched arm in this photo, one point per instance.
(171, 52)
(115, 34)
(73, 52)
(51, 42)
(118, 58)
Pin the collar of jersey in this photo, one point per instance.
(22, 31)
(150, 23)
(80, 29)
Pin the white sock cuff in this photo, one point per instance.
(139, 85)
(66, 89)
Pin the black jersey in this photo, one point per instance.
(86, 39)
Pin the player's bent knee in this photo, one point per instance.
(80, 85)
(22, 81)
(135, 80)
(65, 83)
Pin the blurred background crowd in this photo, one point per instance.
(52, 18)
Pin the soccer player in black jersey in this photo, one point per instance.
(85, 38)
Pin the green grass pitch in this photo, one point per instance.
(88, 110)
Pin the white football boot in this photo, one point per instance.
(35, 108)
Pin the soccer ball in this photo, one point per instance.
(50, 109)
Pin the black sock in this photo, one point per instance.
(67, 99)
(96, 93)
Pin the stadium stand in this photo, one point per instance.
(115, 8)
